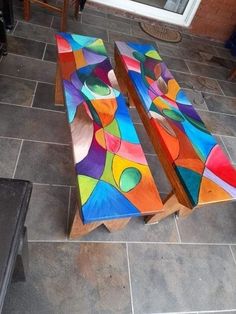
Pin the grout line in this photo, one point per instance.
(222, 140)
(13, 31)
(32, 24)
(26, 79)
(44, 51)
(186, 62)
(23, 37)
(220, 87)
(31, 58)
(232, 254)
(196, 312)
(17, 160)
(30, 107)
(216, 112)
(56, 185)
(36, 141)
(33, 96)
(68, 214)
(52, 22)
(135, 242)
(177, 227)
(210, 93)
(130, 283)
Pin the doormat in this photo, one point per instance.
(161, 32)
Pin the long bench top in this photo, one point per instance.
(201, 165)
(114, 180)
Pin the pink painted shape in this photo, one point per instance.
(220, 165)
(112, 142)
(132, 152)
(63, 45)
(131, 64)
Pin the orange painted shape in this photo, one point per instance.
(106, 109)
(79, 59)
(210, 192)
(173, 89)
(193, 164)
(100, 137)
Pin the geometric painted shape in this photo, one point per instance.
(190, 149)
(114, 180)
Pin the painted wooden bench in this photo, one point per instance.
(113, 177)
(198, 169)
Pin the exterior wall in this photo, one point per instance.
(215, 19)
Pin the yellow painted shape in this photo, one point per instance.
(160, 103)
(153, 54)
(86, 187)
(173, 89)
(100, 137)
(107, 173)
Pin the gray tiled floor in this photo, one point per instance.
(179, 265)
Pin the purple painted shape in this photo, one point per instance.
(165, 73)
(227, 187)
(189, 111)
(92, 57)
(101, 71)
(93, 164)
(76, 81)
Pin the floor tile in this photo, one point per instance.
(228, 88)
(158, 173)
(50, 53)
(48, 212)
(175, 64)
(82, 29)
(219, 123)
(45, 97)
(38, 15)
(210, 224)
(25, 47)
(33, 124)
(172, 278)
(223, 52)
(135, 230)
(9, 150)
(36, 32)
(134, 115)
(144, 139)
(46, 163)
(220, 103)
(94, 11)
(220, 73)
(73, 278)
(230, 143)
(92, 19)
(196, 98)
(197, 83)
(119, 26)
(116, 36)
(28, 68)
(16, 91)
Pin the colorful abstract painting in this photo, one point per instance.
(114, 180)
(201, 165)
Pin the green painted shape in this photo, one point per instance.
(199, 125)
(113, 128)
(107, 172)
(129, 179)
(97, 86)
(98, 47)
(154, 55)
(139, 56)
(86, 187)
(191, 181)
(174, 115)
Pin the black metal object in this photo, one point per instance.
(14, 201)
(3, 36)
(8, 15)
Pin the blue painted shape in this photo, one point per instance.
(105, 203)
(73, 99)
(182, 98)
(191, 181)
(125, 124)
(141, 88)
(143, 48)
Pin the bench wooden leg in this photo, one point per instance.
(79, 229)
(171, 205)
(59, 97)
(64, 16)
(115, 225)
(26, 10)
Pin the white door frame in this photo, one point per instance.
(184, 19)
